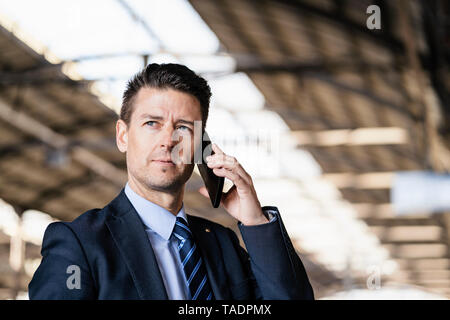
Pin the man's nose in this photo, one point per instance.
(166, 139)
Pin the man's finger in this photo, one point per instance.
(216, 149)
(229, 163)
(203, 192)
(234, 177)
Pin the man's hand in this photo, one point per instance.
(241, 200)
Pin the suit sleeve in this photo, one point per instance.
(64, 272)
(276, 267)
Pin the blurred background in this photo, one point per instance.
(339, 109)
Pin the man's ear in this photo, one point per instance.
(121, 135)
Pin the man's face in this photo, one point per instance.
(162, 122)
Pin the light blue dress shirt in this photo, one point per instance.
(159, 224)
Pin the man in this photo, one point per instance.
(143, 245)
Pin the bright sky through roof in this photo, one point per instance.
(80, 28)
(83, 28)
(177, 25)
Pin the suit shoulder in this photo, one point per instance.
(89, 221)
(87, 216)
(58, 229)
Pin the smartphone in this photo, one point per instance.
(213, 183)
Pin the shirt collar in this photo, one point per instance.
(154, 217)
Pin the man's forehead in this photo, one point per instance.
(163, 109)
(166, 102)
(156, 95)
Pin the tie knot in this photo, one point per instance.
(181, 230)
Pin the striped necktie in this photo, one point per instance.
(192, 262)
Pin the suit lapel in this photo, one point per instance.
(130, 237)
(210, 250)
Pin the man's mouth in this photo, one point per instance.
(164, 162)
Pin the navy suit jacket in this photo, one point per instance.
(116, 260)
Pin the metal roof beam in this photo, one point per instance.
(384, 39)
(353, 137)
(36, 129)
(59, 190)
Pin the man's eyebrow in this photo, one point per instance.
(186, 121)
(150, 116)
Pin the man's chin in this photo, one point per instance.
(166, 187)
(164, 182)
(170, 179)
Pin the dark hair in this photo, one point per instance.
(166, 76)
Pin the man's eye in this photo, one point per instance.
(184, 128)
(151, 123)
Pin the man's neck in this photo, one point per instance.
(171, 202)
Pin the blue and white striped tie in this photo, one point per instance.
(192, 262)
